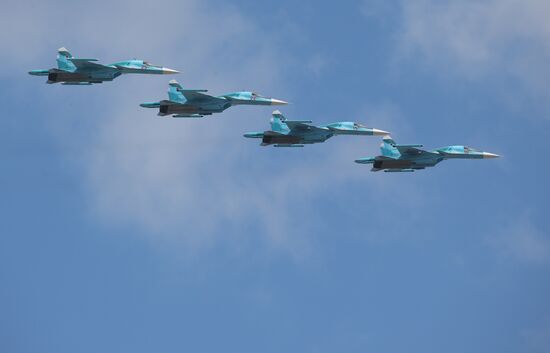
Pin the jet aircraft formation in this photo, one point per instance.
(196, 103)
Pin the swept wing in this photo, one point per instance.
(300, 125)
(413, 151)
(198, 96)
(90, 65)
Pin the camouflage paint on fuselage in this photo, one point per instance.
(74, 71)
(195, 103)
(296, 133)
(407, 158)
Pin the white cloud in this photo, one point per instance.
(112, 29)
(169, 178)
(522, 241)
(198, 181)
(478, 39)
(187, 181)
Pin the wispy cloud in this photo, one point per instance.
(199, 181)
(191, 182)
(522, 241)
(506, 40)
(479, 39)
(168, 178)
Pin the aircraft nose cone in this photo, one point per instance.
(377, 132)
(167, 71)
(490, 155)
(278, 102)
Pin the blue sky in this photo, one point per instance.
(122, 231)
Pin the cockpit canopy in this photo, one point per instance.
(457, 149)
(244, 95)
(136, 63)
(347, 125)
(148, 64)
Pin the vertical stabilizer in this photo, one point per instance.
(62, 60)
(388, 147)
(174, 92)
(278, 123)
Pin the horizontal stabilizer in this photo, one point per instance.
(150, 105)
(367, 160)
(254, 135)
(39, 72)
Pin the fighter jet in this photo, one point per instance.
(408, 158)
(73, 71)
(297, 133)
(195, 103)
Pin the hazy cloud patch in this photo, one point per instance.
(183, 181)
(537, 339)
(522, 241)
(479, 39)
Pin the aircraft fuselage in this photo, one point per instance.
(171, 108)
(297, 138)
(57, 76)
(418, 163)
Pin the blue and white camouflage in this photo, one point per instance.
(76, 71)
(195, 103)
(297, 133)
(408, 158)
